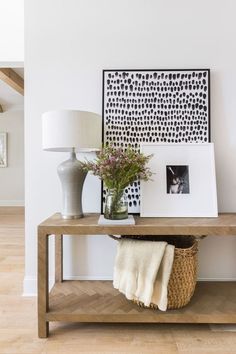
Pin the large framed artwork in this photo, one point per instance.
(3, 149)
(183, 182)
(153, 106)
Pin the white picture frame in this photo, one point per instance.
(3, 149)
(183, 182)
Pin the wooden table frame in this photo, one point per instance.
(200, 311)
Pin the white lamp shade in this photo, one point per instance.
(67, 129)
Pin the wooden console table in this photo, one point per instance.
(98, 301)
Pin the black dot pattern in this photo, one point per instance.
(154, 106)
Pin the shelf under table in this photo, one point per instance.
(98, 301)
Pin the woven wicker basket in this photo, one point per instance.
(183, 277)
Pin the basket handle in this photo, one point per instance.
(199, 238)
(116, 238)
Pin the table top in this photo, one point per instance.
(223, 225)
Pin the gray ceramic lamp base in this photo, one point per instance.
(72, 180)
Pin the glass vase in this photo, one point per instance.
(116, 205)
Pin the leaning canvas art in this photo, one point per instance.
(154, 106)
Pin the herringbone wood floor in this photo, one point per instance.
(18, 325)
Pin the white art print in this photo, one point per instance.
(183, 182)
(3, 149)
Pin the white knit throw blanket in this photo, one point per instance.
(142, 271)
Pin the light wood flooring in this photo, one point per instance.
(18, 317)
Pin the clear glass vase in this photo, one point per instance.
(116, 205)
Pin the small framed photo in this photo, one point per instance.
(3, 149)
(183, 182)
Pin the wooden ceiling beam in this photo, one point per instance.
(11, 78)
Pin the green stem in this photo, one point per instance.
(116, 201)
(115, 205)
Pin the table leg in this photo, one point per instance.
(43, 325)
(58, 258)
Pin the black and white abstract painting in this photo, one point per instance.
(154, 106)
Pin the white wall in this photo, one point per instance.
(12, 177)
(68, 43)
(12, 31)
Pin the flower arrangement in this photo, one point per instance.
(118, 168)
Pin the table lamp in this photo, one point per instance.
(71, 131)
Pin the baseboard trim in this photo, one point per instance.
(30, 283)
(88, 277)
(9, 203)
(30, 286)
(222, 327)
(216, 279)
